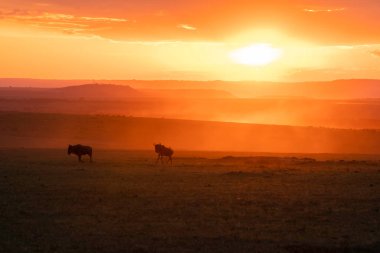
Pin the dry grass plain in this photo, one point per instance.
(205, 202)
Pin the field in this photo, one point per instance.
(53, 130)
(204, 202)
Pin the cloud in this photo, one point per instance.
(187, 27)
(67, 23)
(325, 10)
(104, 19)
(204, 20)
(47, 16)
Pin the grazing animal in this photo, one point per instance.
(80, 150)
(162, 151)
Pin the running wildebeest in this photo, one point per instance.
(162, 151)
(80, 150)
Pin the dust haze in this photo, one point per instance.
(208, 117)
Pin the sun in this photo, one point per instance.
(256, 55)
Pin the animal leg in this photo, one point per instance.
(158, 158)
(80, 158)
(171, 160)
(90, 158)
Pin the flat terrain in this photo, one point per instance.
(346, 114)
(50, 130)
(205, 202)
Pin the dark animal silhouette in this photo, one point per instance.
(80, 150)
(162, 151)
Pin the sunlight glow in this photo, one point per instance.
(256, 55)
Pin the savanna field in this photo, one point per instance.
(204, 202)
(254, 187)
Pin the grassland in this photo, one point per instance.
(205, 202)
(347, 114)
(51, 130)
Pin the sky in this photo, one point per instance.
(272, 40)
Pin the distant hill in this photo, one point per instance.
(88, 91)
(338, 89)
(98, 91)
(186, 93)
(106, 92)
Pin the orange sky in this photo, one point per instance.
(198, 40)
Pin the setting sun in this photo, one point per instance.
(256, 55)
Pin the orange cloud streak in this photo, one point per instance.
(167, 39)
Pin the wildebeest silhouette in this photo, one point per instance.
(80, 150)
(162, 151)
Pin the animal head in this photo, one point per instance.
(69, 150)
(157, 147)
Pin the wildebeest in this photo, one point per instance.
(162, 151)
(80, 150)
